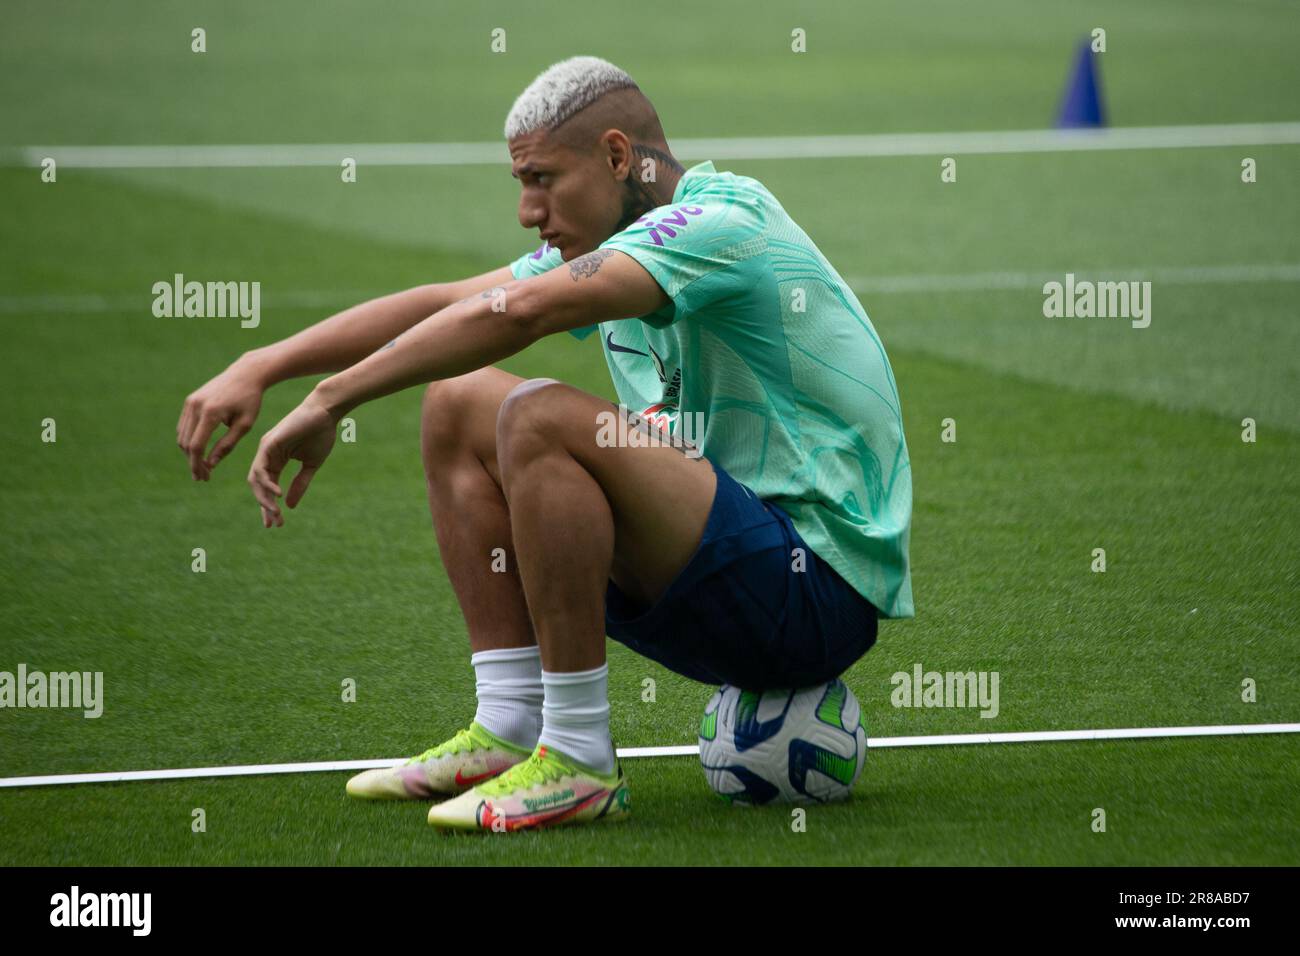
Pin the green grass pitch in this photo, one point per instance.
(1071, 435)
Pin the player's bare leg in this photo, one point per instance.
(470, 516)
(580, 514)
(471, 520)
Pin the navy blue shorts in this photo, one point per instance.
(739, 614)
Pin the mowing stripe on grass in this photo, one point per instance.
(91, 303)
(684, 750)
(732, 147)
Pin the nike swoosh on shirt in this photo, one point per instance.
(609, 340)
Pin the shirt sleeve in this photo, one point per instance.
(701, 253)
(544, 259)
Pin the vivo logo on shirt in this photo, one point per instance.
(668, 225)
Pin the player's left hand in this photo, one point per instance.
(306, 434)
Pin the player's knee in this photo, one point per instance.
(445, 413)
(527, 416)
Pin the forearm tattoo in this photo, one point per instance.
(485, 294)
(584, 267)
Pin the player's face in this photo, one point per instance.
(573, 199)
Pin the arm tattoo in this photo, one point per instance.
(584, 267)
(485, 294)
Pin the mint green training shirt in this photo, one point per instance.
(766, 361)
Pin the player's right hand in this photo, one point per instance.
(232, 399)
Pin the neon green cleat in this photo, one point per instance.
(473, 756)
(548, 789)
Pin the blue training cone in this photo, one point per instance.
(1081, 106)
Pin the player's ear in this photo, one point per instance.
(618, 153)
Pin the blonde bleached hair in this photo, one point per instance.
(562, 90)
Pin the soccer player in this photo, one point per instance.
(742, 516)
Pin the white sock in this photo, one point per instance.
(509, 686)
(575, 716)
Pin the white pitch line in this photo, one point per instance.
(1109, 733)
(992, 281)
(684, 750)
(735, 147)
(93, 303)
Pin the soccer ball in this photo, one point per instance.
(791, 745)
